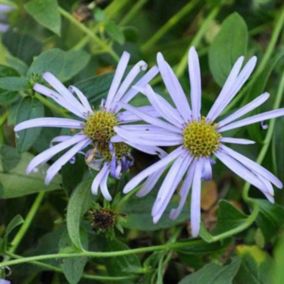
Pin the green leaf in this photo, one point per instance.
(79, 203)
(72, 174)
(13, 83)
(95, 88)
(114, 32)
(228, 217)
(7, 97)
(46, 13)
(230, 43)
(63, 64)
(270, 218)
(22, 46)
(277, 268)
(14, 223)
(121, 265)
(200, 247)
(29, 108)
(10, 158)
(138, 214)
(213, 273)
(73, 268)
(15, 182)
(255, 267)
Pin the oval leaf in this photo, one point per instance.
(78, 204)
(13, 179)
(46, 13)
(63, 64)
(29, 108)
(230, 43)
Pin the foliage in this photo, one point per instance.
(47, 232)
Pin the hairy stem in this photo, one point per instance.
(85, 275)
(167, 246)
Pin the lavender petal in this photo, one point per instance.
(119, 72)
(255, 167)
(152, 169)
(56, 166)
(195, 211)
(195, 83)
(253, 119)
(49, 153)
(244, 110)
(174, 88)
(49, 122)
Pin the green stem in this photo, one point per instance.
(197, 38)
(51, 105)
(3, 118)
(187, 244)
(133, 11)
(85, 275)
(90, 33)
(110, 11)
(249, 221)
(114, 8)
(174, 20)
(272, 43)
(28, 220)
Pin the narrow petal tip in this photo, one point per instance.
(160, 57)
(192, 51)
(47, 76)
(125, 54)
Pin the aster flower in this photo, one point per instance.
(95, 128)
(198, 139)
(3, 281)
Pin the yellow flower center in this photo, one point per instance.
(120, 149)
(201, 138)
(99, 126)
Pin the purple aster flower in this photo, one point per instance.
(95, 128)
(198, 139)
(3, 281)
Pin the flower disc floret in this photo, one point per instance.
(120, 150)
(201, 138)
(99, 126)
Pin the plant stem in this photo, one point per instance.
(114, 8)
(197, 38)
(51, 105)
(90, 33)
(133, 11)
(28, 220)
(85, 275)
(174, 20)
(167, 246)
(3, 118)
(272, 43)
